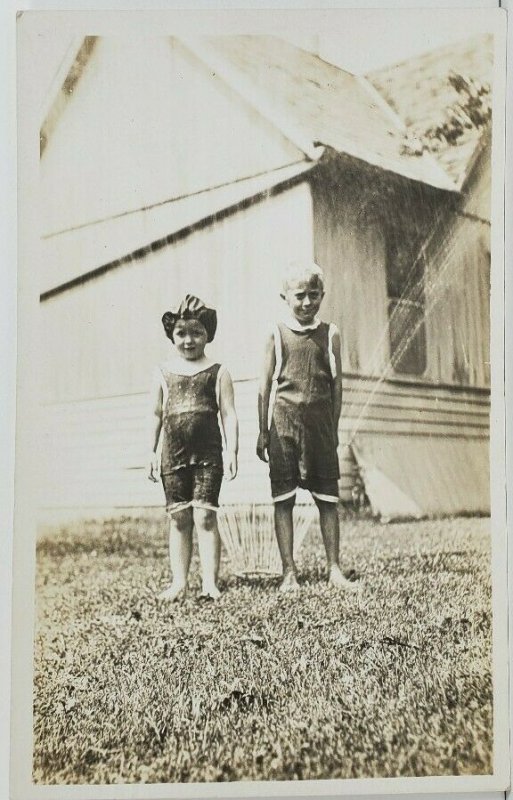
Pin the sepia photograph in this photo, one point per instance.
(260, 512)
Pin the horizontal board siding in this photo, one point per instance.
(103, 443)
(413, 393)
(111, 344)
(457, 289)
(398, 409)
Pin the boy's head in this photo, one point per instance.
(303, 290)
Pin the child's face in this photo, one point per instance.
(304, 299)
(190, 339)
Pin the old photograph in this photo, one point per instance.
(266, 545)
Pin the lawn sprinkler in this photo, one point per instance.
(247, 533)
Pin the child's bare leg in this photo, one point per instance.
(284, 526)
(330, 529)
(209, 544)
(180, 552)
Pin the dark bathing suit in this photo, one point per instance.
(192, 449)
(302, 442)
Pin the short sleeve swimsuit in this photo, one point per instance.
(192, 451)
(302, 445)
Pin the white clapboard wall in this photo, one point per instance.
(103, 447)
(431, 443)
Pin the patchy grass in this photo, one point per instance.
(394, 682)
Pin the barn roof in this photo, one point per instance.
(419, 91)
(328, 105)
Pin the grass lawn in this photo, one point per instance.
(395, 681)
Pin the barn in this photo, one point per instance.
(204, 166)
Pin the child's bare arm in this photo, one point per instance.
(336, 391)
(264, 394)
(155, 426)
(229, 422)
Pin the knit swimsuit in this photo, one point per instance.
(302, 445)
(192, 450)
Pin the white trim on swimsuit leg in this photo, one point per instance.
(175, 507)
(328, 498)
(199, 504)
(285, 496)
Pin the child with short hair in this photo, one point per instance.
(189, 390)
(303, 360)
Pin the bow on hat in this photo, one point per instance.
(191, 307)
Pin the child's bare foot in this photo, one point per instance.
(339, 581)
(174, 592)
(289, 583)
(211, 592)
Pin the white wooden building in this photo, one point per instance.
(204, 167)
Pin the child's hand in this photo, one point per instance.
(262, 447)
(230, 466)
(154, 468)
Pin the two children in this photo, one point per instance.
(298, 438)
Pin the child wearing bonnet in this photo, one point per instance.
(190, 393)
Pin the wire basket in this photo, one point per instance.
(247, 533)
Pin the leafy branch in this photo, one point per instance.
(472, 111)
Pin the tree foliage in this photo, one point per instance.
(469, 113)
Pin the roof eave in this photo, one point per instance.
(438, 178)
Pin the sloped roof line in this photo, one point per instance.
(400, 124)
(79, 51)
(405, 62)
(92, 251)
(276, 171)
(424, 169)
(250, 96)
(381, 102)
(257, 100)
(58, 77)
(68, 74)
(483, 142)
(419, 91)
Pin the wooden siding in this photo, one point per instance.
(350, 245)
(477, 190)
(144, 124)
(72, 256)
(422, 450)
(458, 266)
(351, 250)
(390, 408)
(104, 337)
(432, 440)
(104, 446)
